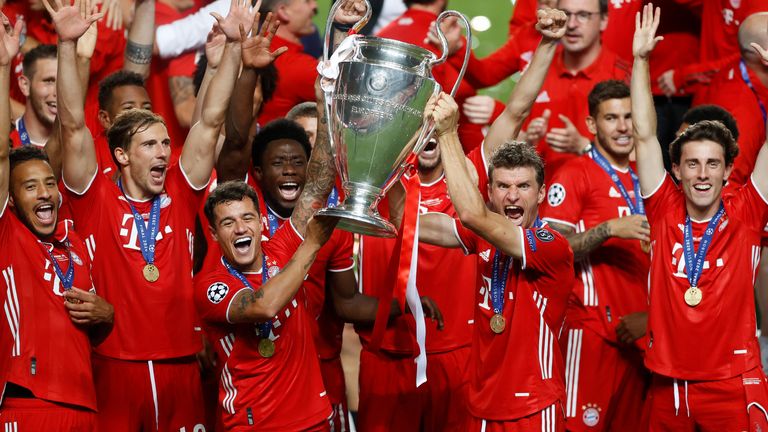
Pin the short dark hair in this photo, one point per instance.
(234, 190)
(304, 109)
(712, 112)
(517, 154)
(606, 90)
(711, 130)
(126, 125)
(114, 80)
(40, 52)
(26, 153)
(276, 130)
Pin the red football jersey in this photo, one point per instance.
(716, 339)
(297, 71)
(43, 350)
(612, 281)
(104, 218)
(445, 275)
(284, 392)
(566, 93)
(521, 370)
(730, 91)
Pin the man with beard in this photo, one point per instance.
(38, 84)
(140, 232)
(594, 201)
(50, 305)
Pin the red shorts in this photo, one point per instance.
(390, 401)
(22, 414)
(547, 420)
(335, 387)
(734, 404)
(164, 395)
(605, 384)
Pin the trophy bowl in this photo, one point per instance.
(375, 121)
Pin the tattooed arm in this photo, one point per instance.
(183, 95)
(141, 36)
(264, 303)
(321, 171)
(628, 227)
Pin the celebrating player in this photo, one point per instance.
(705, 247)
(45, 351)
(140, 232)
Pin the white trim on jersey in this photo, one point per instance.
(90, 244)
(184, 173)
(12, 310)
(548, 419)
(5, 205)
(522, 248)
(152, 383)
(11, 426)
(458, 238)
(87, 185)
(228, 403)
(227, 343)
(760, 407)
(560, 222)
(572, 363)
(546, 338)
(755, 262)
(342, 270)
(482, 426)
(656, 189)
(759, 192)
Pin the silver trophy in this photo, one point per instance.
(376, 119)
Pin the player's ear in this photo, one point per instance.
(542, 194)
(104, 119)
(591, 125)
(676, 171)
(213, 232)
(728, 170)
(24, 85)
(258, 173)
(121, 156)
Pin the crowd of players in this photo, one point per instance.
(162, 268)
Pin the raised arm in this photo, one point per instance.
(9, 47)
(466, 198)
(199, 153)
(583, 243)
(760, 173)
(267, 301)
(551, 24)
(79, 163)
(650, 164)
(235, 156)
(141, 35)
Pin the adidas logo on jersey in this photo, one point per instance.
(485, 255)
(542, 97)
(613, 193)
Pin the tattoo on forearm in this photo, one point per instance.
(584, 243)
(182, 88)
(247, 298)
(138, 53)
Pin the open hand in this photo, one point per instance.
(9, 38)
(255, 49)
(241, 14)
(73, 21)
(645, 39)
(350, 12)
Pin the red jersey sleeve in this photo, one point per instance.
(546, 251)
(342, 258)
(281, 247)
(180, 188)
(494, 68)
(88, 205)
(662, 200)
(468, 239)
(565, 195)
(748, 205)
(214, 292)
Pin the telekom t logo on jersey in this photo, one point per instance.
(678, 260)
(129, 232)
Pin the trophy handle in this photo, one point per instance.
(356, 28)
(444, 43)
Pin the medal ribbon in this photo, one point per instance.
(499, 281)
(636, 206)
(694, 265)
(273, 222)
(147, 233)
(333, 198)
(266, 327)
(21, 128)
(66, 279)
(538, 223)
(748, 81)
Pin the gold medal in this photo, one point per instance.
(693, 296)
(266, 348)
(151, 273)
(498, 323)
(645, 246)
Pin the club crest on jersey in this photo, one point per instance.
(544, 235)
(485, 255)
(591, 415)
(165, 200)
(736, 4)
(272, 271)
(217, 292)
(556, 195)
(76, 259)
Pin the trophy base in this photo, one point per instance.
(367, 223)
